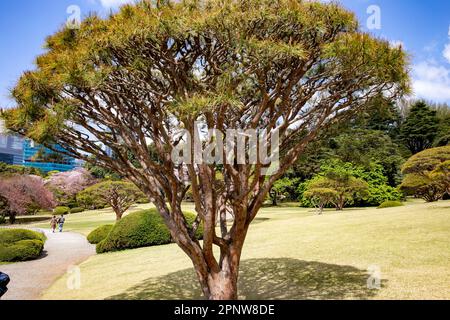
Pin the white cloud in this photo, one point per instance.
(446, 52)
(431, 81)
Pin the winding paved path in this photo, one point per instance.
(29, 279)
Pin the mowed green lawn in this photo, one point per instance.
(290, 253)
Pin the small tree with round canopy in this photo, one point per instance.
(320, 197)
(346, 188)
(427, 174)
(119, 195)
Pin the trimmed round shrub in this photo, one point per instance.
(99, 234)
(61, 210)
(20, 245)
(76, 210)
(22, 251)
(390, 204)
(140, 229)
(9, 236)
(71, 205)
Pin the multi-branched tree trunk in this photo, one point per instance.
(146, 75)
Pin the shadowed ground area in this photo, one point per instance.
(265, 279)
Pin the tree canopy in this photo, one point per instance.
(287, 67)
(23, 194)
(427, 174)
(119, 195)
(339, 178)
(420, 128)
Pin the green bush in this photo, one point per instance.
(51, 173)
(20, 245)
(76, 210)
(72, 204)
(140, 229)
(61, 210)
(142, 200)
(378, 189)
(6, 169)
(390, 204)
(31, 219)
(99, 234)
(22, 251)
(2, 220)
(44, 212)
(9, 236)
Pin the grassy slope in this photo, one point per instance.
(292, 254)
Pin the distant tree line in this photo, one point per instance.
(372, 148)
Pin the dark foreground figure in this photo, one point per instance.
(4, 280)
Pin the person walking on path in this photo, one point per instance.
(53, 223)
(61, 221)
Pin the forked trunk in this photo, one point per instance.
(340, 205)
(222, 286)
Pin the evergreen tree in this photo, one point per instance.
(420, 128)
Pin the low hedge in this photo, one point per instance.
(390, 204)
(31, 219)
(20, 245)
(143, 200)
(61, 210)
(140, 229)
(76, 210)
(99, 234)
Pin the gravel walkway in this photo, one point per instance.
(30, 279)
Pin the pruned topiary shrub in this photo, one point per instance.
(140, 229)
(8, 236)
(61, 210)
(20, 245)
(76, 210)
(390, 204)
(99, 234)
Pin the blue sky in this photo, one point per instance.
(422, 27)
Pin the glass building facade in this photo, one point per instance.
(37, 156)
(18, 151)
(11, 148)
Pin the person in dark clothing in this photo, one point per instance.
(61, 222)
(4, 280)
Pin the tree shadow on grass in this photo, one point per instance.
(265, 279)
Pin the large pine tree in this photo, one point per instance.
(420, 128)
